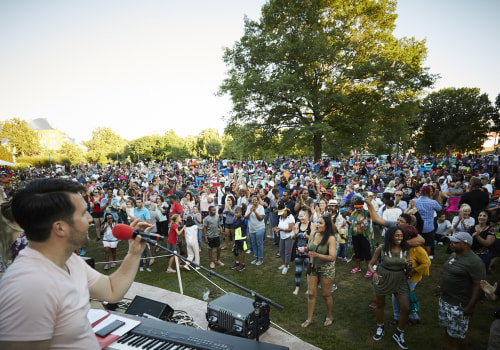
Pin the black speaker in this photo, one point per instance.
(141, 305)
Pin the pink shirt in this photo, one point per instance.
(41, 301)
(204, 205)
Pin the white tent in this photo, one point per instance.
(3, 162)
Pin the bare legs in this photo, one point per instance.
(326, 289)
(97, 225)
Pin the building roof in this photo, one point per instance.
(40, 124)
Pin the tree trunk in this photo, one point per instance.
(317, 146)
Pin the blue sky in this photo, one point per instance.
(145, 67)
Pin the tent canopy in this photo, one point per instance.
(3, 162)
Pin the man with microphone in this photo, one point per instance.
(44, 295)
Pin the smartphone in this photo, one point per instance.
(109, 328)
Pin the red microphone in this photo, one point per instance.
(124, 233)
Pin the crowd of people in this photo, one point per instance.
(316, 212)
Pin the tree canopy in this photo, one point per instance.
(22, 139)
(327, 72)
(455, 119)
(73, 152)
(103, 144)
(5, 154)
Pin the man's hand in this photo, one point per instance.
(468, 310)
(136, 246)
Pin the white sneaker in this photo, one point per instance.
(248, 251)
(284, 271)
(431, 257)
(254, 261)
(281, 267)
(260, 262)
(141, 269)
(148, 269)
(334, 288)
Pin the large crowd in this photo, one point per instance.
(317, 212)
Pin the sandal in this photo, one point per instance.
(305, 324)
(328, 322)
(355, 270)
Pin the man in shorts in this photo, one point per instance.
(460, 289)
(211, 232)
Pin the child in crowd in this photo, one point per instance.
(442, 226)
(342, 238)
(109, 241)
(198, 220)
(240, 238)
(173, 233)
(211, 233)
(191, 234)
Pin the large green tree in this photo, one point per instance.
(158, 147)
(327, 70)
(73, 152)
(103, 144)
(209, 144)
(455, 119)
(21, 138)
(5, 154)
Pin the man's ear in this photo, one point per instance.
(60, 228)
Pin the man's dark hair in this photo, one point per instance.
(42, 202)
(387, 195)
(406, 218)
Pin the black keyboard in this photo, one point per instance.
(160, 335)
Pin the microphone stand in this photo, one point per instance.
(259, 300)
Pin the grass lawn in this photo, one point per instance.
(354, 323)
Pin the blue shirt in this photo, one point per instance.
(142, 214)
(426, 207)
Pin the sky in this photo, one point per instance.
(146, 67)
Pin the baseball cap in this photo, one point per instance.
(333, 202)
(271, 183)
(461, 237)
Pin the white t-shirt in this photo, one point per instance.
(191, 233)
(40, 301)
(442, 227)
(392, 214)
(284, 225)
(489, 188)
(108, 235)
(460, 228)
(254, 224)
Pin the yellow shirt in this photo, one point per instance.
(421, 263)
